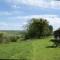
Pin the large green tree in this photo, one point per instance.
(38, 28)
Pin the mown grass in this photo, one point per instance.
(38, 49)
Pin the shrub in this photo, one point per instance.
(13, 38)
(8, 38)
(1, 37)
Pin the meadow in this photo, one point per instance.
(35, 49)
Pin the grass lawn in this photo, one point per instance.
(38, 49)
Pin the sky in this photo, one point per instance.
(15, 14)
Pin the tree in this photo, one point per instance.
(50, 29)
(56, 39)
(57, 33)
(37, 28)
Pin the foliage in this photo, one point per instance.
(8, 37)
(13, 38)
(50, 29)
(57, 33)
(38, 28)
(1, 37)
(56, 39)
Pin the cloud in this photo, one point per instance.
(11, 13)
(5, 13)
(57, 0)
(36, 3)
(53, 20)
(15, 6)
(10, 26)
(18, 22)
(55, 4)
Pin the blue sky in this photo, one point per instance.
(14, 14)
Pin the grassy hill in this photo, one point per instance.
(38, 49)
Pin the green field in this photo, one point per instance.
(38, 49)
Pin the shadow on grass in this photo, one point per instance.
(23, 59)
(54, 44)
(15, 59)
(51, 47)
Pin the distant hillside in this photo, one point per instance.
(12, 31)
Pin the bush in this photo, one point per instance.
(4, 38)
(1, 37)
(13, 38)
(7, 39)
